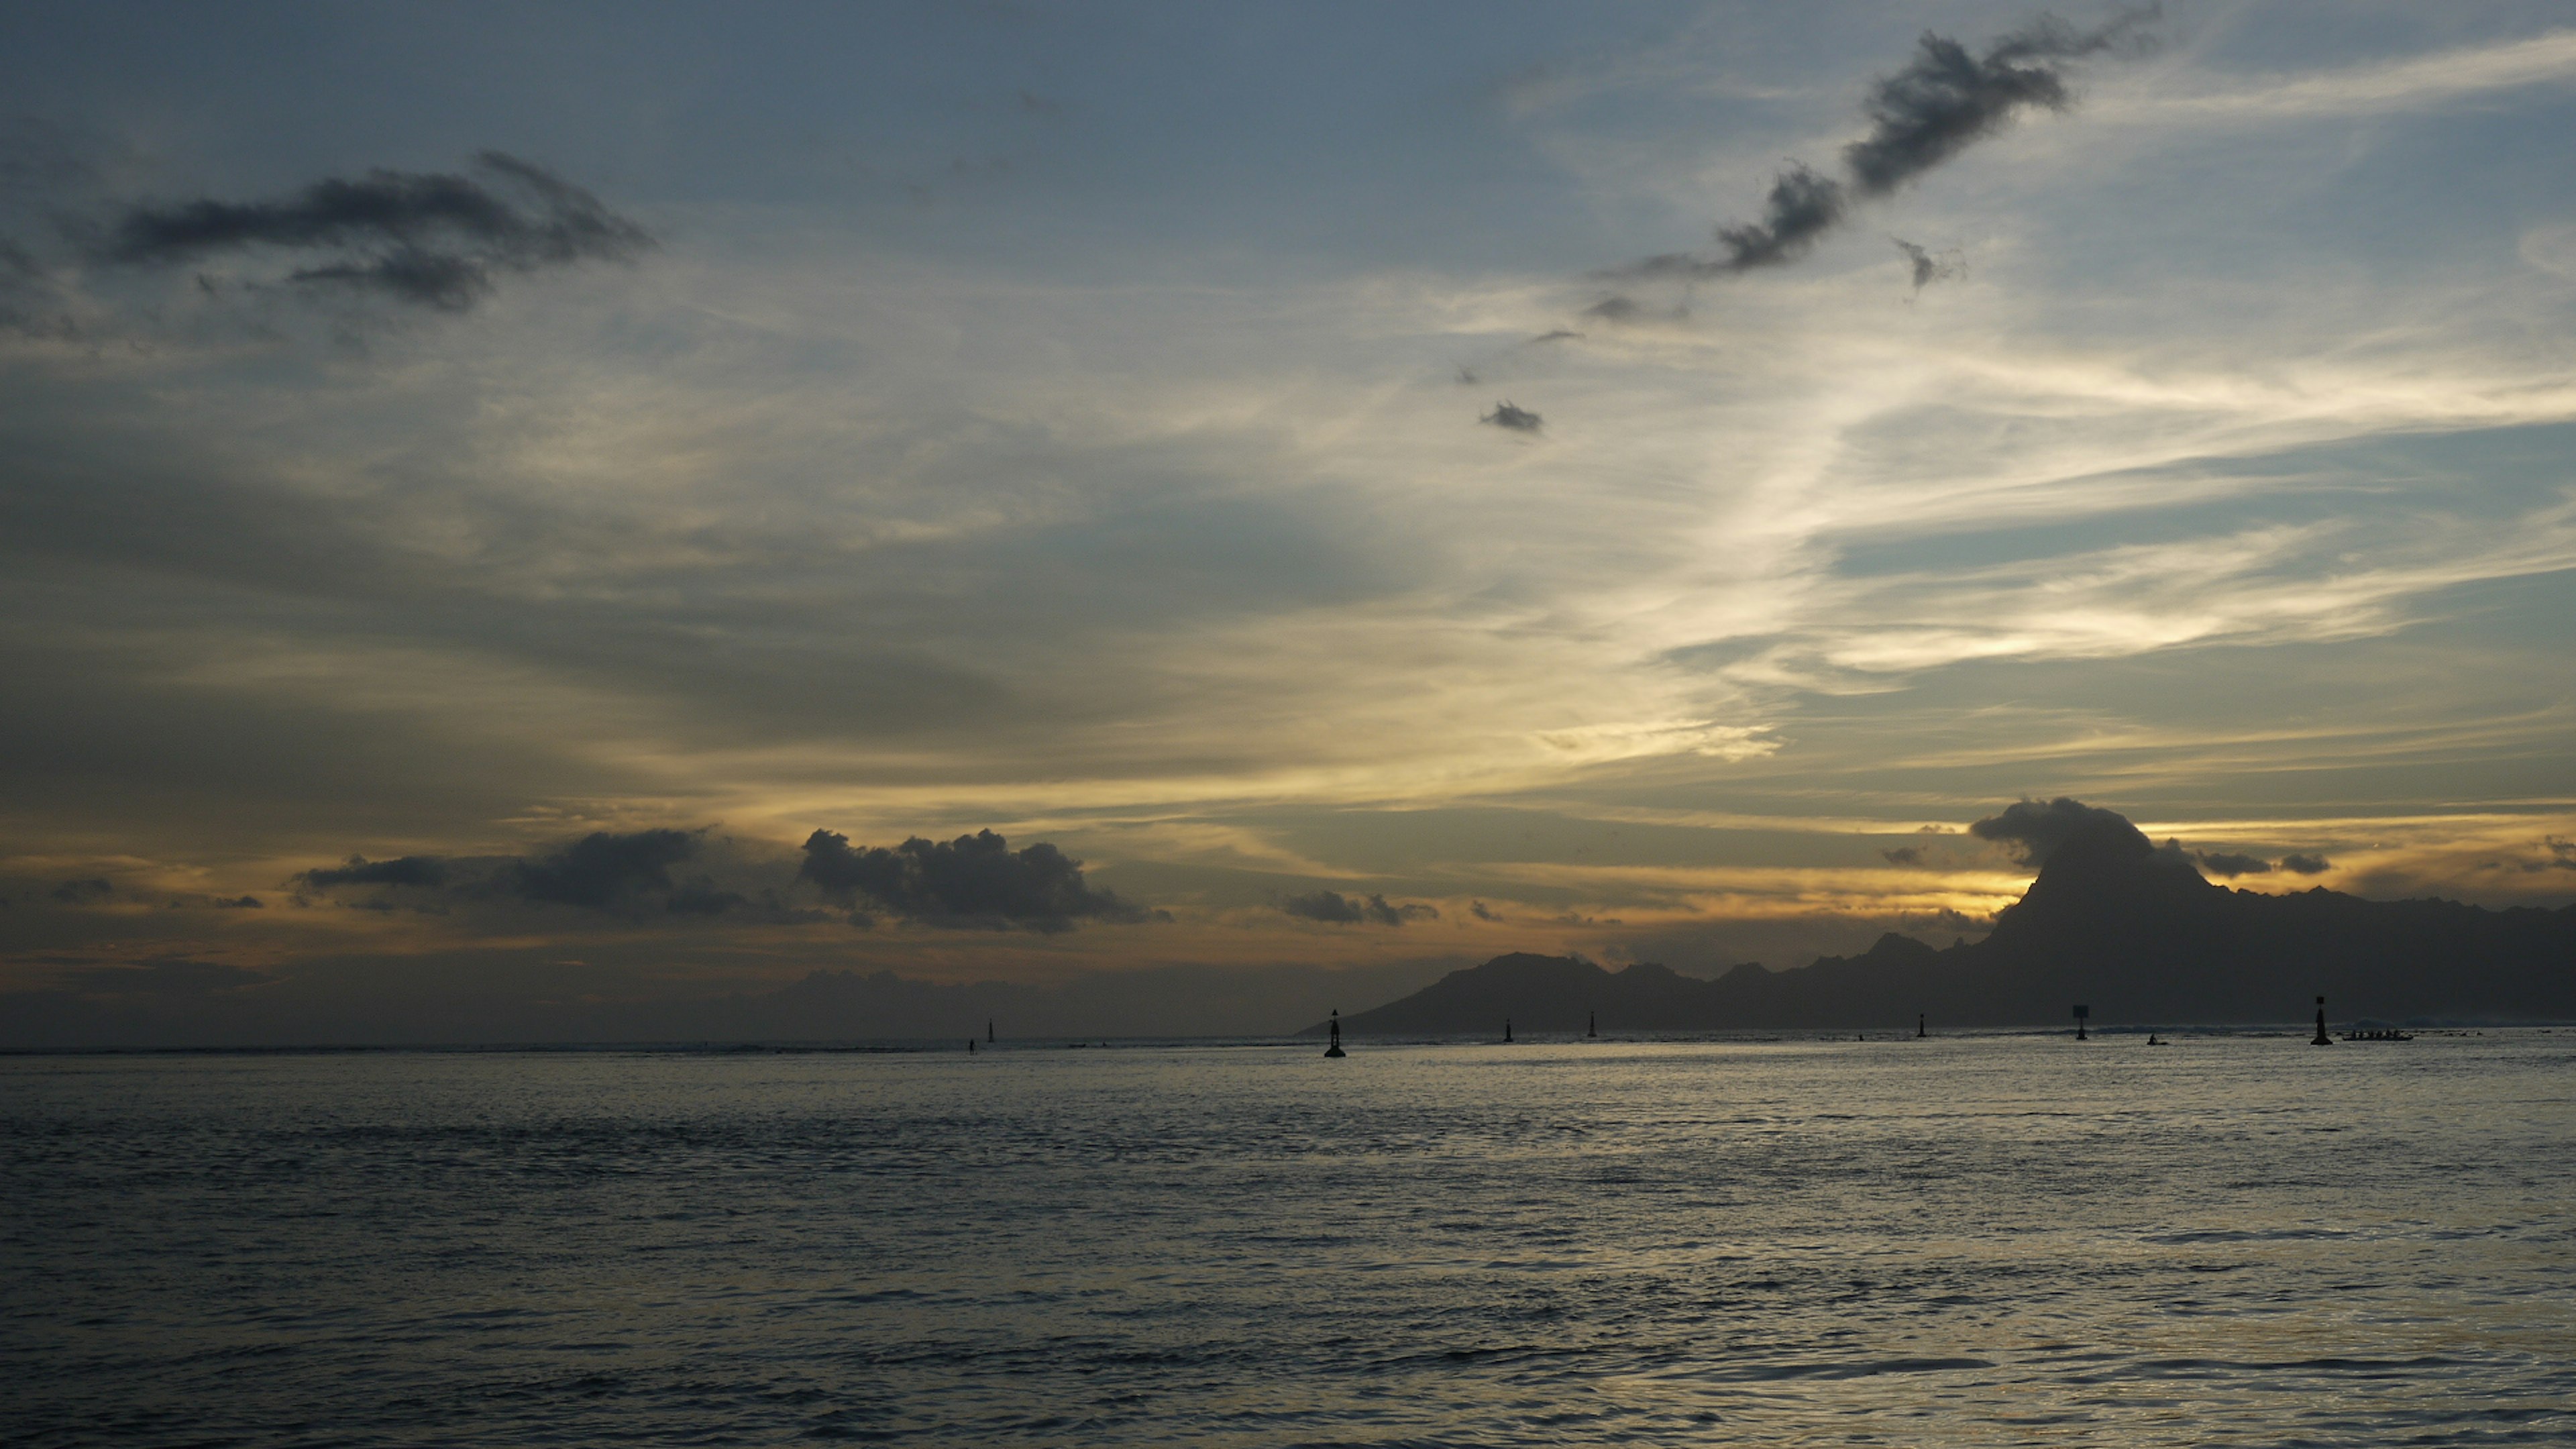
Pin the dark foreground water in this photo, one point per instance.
(1996, 1241)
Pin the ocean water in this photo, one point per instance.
(1962, 1241)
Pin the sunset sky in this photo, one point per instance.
(532, 504)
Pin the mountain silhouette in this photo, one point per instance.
(2128, 928)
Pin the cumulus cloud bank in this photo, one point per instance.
(975, 881)
(600, 870)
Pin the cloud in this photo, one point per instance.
(1941, 102)
(28, 303)
(1804, 204)
(2381, 88)
(1483, 912)
(2562, 856)
(626, 872)
(217, 903)
(1946, 100)
(2231, 866)
(2036, 830)
(1334, 908)
(1518, 419)
(83, 892)
(975, 881)
(601, 869)
(165, 976)
(1948, 918)
(1929, 266)
(409, 870)
(2306, 864)
(1614, 309)
(1903, 855)
(433, 239)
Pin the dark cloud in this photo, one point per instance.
(1517, 419)
(1334, 908)
(1614, 309)
(1946, 100)
(601, 869)
(2231, 866)
(1942, 101)
(1329, 906)
(1903, 855)
(217, 903)
(165, 976)
(433, 239)
(40, 161)
(2562, 856)
(1930, 266)
(28, 303)
(626, 872)
(1802, 207)
(975, 881)
(2306, 864)
(1948, 919)
(1482, 912)
(1561, 334)
(409, 870)
(2035, 830)
(83, 892)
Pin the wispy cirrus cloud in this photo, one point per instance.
(2374, 88)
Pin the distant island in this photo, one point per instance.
(2112, 921)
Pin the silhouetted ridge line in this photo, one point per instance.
(2128, 927)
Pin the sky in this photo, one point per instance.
(524, 508)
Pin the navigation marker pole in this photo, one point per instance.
(2321, 1039)
(2081, 1012)
(1335, 1050)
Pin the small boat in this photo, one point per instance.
(2155, 1040)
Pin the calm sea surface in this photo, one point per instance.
(1973, 1241)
